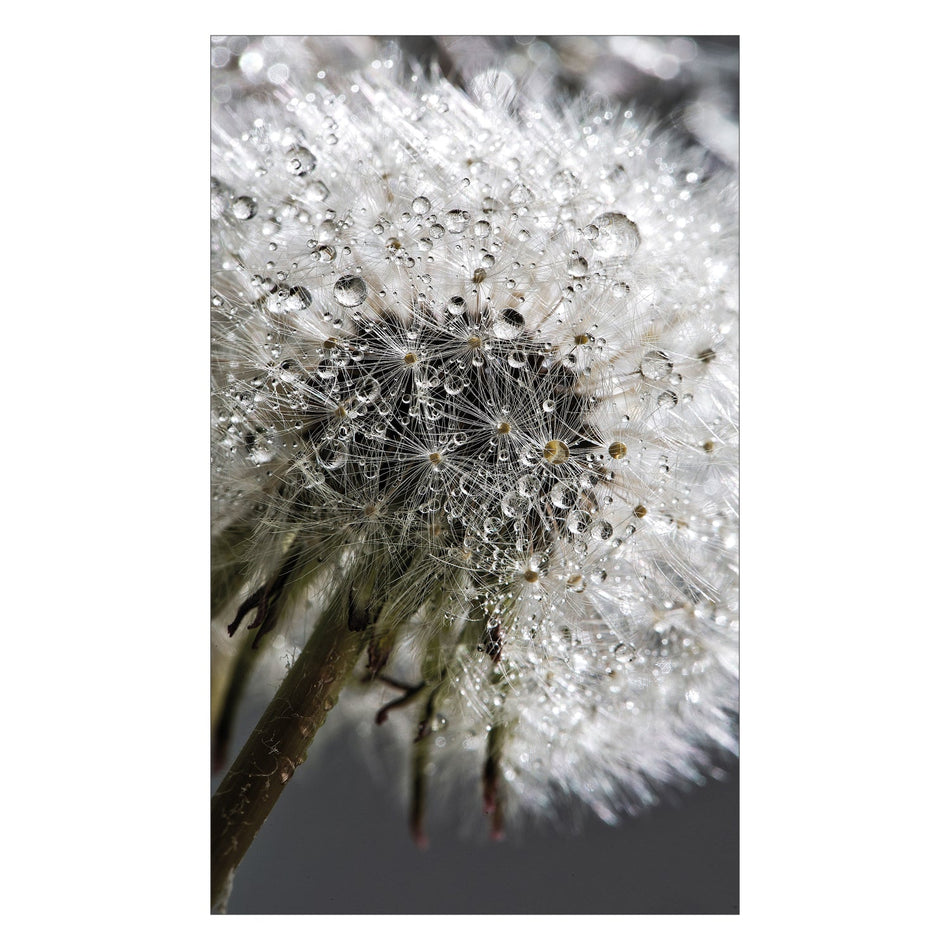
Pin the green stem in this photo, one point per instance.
(278, 745)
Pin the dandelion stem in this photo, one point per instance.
(238, 678)
(278, 746)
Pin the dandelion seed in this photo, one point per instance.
(489, 421)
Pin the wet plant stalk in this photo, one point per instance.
(278, 745)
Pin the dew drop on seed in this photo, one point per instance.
(624, 653)
(514, 505)
(317, 192)
(578, 522)
(298, 298)
(455, 221)
(325, 253)
(529, 485)
(556, 452)
(564, 185)
(616, 234)
(244, 208)
(655, 365)
(602, 530)
(577, 266)
(576, 583)
(331, 454)
(367, 389)
(219, 199)
(350, 291)
(666, 400)
(563, 495)
(456, 306)
(617, 450)
(421, 205)
(300, 160)
(508, 324)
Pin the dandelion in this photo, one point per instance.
(474, 441)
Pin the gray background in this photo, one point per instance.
(337, 842)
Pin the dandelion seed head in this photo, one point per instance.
(493, 361)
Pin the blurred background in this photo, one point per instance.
(338, 841)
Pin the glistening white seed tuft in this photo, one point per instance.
(480, 354)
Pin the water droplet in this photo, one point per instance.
(508, 324)
(482, 228)
(331, 453)
(617, 450)
(455, 221)
(577, 267)
(515, 505)
(556, 452)
(640, 511)
(219, 199)
(531, 576)
(529, 485)
(297, 299)
(615, 234)
(421, 205)
(325, 253)
(350, 291)
(564, 185)
(576, 583)
(563, 495)
(317, 192)
(367, 389)
(602, 530)
(244, 208)
(519, 195)
(655, 365)
(300, 160)
(578, 522)
(456, 306)
(624, 652)
(666, 400)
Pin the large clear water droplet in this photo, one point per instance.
(508, 324)
(563, 495)
(299, 160)
(578, 522)
(350, 290)
(331, 454)
(244, 208)
(616, 234)
(655, 365)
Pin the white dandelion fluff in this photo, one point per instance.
(475, 396)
